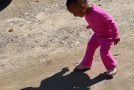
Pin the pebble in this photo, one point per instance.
(77, 42)
(11, 30)
(100, 5)
(36, 0)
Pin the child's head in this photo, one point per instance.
(77, 7)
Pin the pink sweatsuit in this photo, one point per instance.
(105, 30)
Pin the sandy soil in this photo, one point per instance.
(41, 43)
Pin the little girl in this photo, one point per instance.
(106, 34)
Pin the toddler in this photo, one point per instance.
(106, 33)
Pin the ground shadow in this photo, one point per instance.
(4, 4)
(72, 81)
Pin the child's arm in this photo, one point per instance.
(115, 31)
(113, 27)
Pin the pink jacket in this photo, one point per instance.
(102, 23)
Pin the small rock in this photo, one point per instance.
(24, 13)
(100, 5)
(1, 45)
(11, 30)
(11, 39)
(36, 0)
(77, 42)
(116, 54)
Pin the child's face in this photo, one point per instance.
(77, 10)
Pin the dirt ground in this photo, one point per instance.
(41, 43)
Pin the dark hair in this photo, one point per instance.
(69, 2)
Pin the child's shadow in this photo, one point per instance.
(73, 81)
(4, 4)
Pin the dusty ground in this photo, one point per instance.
(41, 43)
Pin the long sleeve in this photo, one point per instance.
(114, 29)
(112, 25)
(102, 23)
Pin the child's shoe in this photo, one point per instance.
(82, 67)
(111, 72)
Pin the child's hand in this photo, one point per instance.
(88, 27)
(116, 41)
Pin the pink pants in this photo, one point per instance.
(106, 56)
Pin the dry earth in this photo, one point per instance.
(41, 43)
